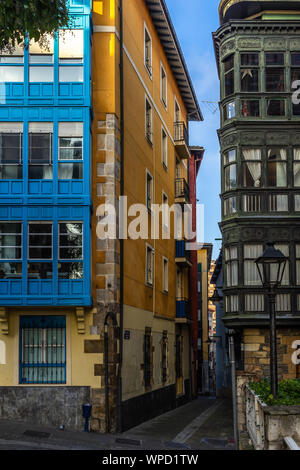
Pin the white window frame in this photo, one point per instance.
(147, 67)
(165, 275)
(164, 147)
(148, 174)
(148, 135)
(151, 281)
(39, 222)
(164, 100)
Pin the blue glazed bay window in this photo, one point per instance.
(42, 350)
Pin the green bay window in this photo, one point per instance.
(42, 350)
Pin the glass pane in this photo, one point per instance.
(230, 177)
(41, 74)
(40, 240)
(40, 172)
(229, 83)
(40, 253)
(275, 107)
(11, 148)
(249, 80)
(10, 270)
(70, 148)
(70, 240)
(11, 74)
(70, 44)
(274, 79)
(274, 58)
(297, 202)
(297, 175)
(40, 148)
(70, 270)
(40, 270)
(278, 203)
(250, 108)
(70, 74)
(11, 59)
(71, 228)
(10, 253)
(295, 58)
(10, 228)
(11, 172)
(40, 59)
(229, 157)
(250, 59)
(70, 253)
(229, 63)
(229, 111)
(70, 171)
(252, 174)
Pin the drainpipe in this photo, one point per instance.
(107, 417)
(121, 240)
(234, 388)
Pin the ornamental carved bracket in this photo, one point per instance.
(4, 321)
(79, 311)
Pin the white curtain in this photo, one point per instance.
(251, 275)
(297, 167)
(254, 168)
(254, 303)
(283, 303)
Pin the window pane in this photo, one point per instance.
(70, 148)
(11, 60)
(229, 110)
(40, 172)
(40, 270)
(11, 172)
(252, 203)
(70, 270)
(274, 58)
(229, 83)
(11, 74)
(40, 59)
(10, 270)
(229, 63)
(230, 177)
(11, 148)
(71, 44)
(277, 176)
(70, 171)
(70, 74)
(229, 156)
(250, 59)
(41, 74)
(297, 175)
(278, 203)
(40, 148)
(295, 58)
(250, 108)
(254, 303)
(249, 80)
(275, 107)
(274, 79)
(297, 202)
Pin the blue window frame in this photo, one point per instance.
(42, 350)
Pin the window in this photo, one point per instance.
(147, 357)
(163, 85)
(251, 275)
(41, 60)
(295, 76)
(149, 190)
(251, 166)
(229, 75)
(278, 203)
(178, 356)
(231, 266)
(298, 264)
(230, 206)
(43, 350)
(230, 170)
(9, 72)
(250, 72)
(297, 202)
(254, 303)
(148, 121)
(70, 54)
(40, 150)
(11, 150)
(275, 107)
(283, 303)
(165, 275)
(277, 176)
(70, 240)
(148, 51)
(250, 108)
(232, 303)
(164, 148)
(10, 250)
(252, 203)
(274, 72)
(40, 241)
(296, 167)
(149, 265)
(165, 210)
(164, 357)
(229, 111)
(40, 271)
(70, 155)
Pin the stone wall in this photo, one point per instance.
(257, 352)
(48, 406)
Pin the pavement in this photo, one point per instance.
(203, 424)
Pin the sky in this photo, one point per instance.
(194, 22)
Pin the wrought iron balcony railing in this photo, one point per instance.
(182, 190)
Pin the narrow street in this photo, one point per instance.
(204, 424)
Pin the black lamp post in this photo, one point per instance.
(271, 266)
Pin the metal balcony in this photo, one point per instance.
(182, 191)
(181, 140)
(183, 256)
(183, 310)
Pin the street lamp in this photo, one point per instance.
(271, 266)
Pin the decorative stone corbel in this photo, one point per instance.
(4, 321)
(80, 320)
